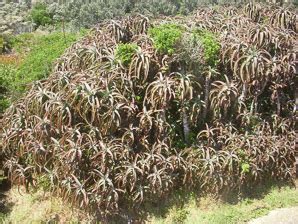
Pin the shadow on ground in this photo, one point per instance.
(5, 206)
(160, 208)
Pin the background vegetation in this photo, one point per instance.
(80, 13)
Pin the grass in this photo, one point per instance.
(7, 76)
(44, 50)
(39, 207)
(34, 55)
(2, 217)
(210, 211)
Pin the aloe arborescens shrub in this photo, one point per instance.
(120, 122)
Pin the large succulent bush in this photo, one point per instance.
(113, 134)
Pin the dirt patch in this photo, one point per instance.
(8, 59)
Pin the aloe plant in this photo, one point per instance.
(113, 136)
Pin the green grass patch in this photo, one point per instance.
(210, 211)
(39, 61)
(7, 76)
(38, 207)
(38, 53)
(2, 217)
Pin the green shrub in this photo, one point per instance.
(125, 52)
(211, 46)
(40, 15)
(165, 37)
(44, 183)
(4, 103)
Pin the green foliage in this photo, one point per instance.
(165, 37)
(180, 216)
(39, 61)
(44, 183)
(245, 167)
(1, 44)
(39, 52)
(82, 13)
(125, 52)
(21, 43)
(253, 121)
(244, 161)
(7, 73)
(2, 217)
(40, 16)
(211, 46)
(86, 14)
(5, 44)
